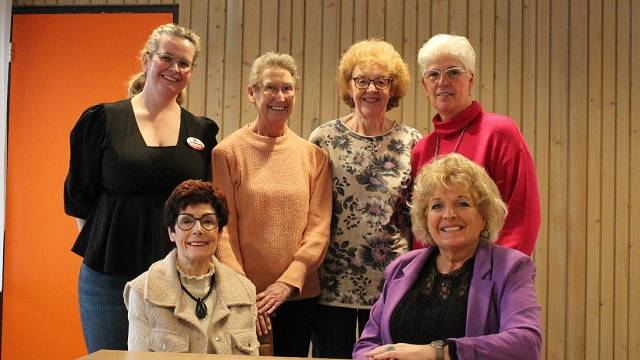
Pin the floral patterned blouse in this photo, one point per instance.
(370, 223)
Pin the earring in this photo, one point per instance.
(485, 234)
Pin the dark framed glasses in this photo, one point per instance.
(380, 83)
(186, 222)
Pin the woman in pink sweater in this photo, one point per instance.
(491, 140)
(279, 193)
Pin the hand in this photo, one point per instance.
(263, 325)
(402, 351)
(273, 296)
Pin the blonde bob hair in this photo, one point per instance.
(445, 44)
(137, 81)
(373, 52)
(454, 171)
(269, 60)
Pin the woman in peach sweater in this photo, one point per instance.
(279, 192)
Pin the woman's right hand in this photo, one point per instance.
(272, 297)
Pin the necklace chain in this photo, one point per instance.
(455, 148)
(201, 307)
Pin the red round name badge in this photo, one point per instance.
(195, 143)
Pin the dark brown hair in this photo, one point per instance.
(193, 192)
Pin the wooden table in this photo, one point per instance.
(127, 355)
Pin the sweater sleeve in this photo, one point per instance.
(139, 329)
(315, 238)
(83, 183)
(515, 176)
(212, 131)
(519, 336)
(228, 250)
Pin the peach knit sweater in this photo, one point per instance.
(279, 196)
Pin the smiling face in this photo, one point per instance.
(449, 96)
(453, 221)
(197, 245)
(370, 102)
(274, 96)
(168, 77)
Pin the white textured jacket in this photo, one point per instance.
(160, 320)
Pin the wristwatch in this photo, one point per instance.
(438, 345)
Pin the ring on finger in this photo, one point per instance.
(389, 348)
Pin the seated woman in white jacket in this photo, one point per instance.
(189, 301)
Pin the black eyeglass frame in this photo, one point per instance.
(388, 81)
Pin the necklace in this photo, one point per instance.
(455, 148)
(201, 307)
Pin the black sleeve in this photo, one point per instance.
(211, 142)
(83, 183)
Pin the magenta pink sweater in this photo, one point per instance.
(493, 141)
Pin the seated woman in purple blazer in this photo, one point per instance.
(462, 297)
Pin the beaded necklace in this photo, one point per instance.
(455, 148)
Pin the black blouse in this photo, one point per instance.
(119, 185)
(435, 308)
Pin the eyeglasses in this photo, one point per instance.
(380, 83)
(186, 222)
(451, 74)
(274, 89)
(168, 59)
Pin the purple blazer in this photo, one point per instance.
(503, 315)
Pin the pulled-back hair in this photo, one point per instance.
(137, 81)
(272, 59)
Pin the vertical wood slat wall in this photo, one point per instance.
(566, 71)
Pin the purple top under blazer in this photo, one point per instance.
(503, 315)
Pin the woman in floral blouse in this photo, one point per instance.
(370, 163)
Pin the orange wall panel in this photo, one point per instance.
(62, 63)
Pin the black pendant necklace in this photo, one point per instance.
(201, 307)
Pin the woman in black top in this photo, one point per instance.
(126, 157)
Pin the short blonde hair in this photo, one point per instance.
(458, 172)
(272, 59)
(136, 83)
(373, 52)
(445, 44)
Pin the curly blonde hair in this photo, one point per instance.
(374, 52)
(454, 171)
(137, 81)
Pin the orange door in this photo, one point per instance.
(62, 63)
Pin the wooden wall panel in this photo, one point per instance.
(566, 71)
(634, 197)
(608, 171)
(541, 154)
(92, 2)
(577, 182)
(594, 181)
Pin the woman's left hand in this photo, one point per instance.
(273, 296)
(402, 351)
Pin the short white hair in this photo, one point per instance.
(446, 44)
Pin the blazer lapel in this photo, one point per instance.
(480, 292)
